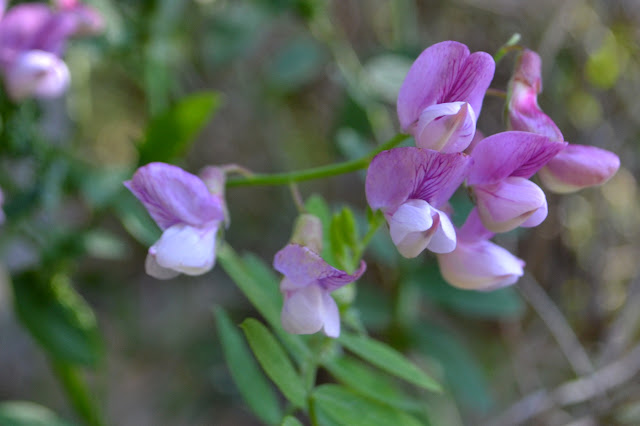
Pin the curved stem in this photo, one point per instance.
(316, 172)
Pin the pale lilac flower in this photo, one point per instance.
(503, 163)
(409, 185)
(33, 38)
(477, 263)
(576, 166)
(441, 96)
(188, 214)
(308, 282)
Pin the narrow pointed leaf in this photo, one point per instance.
(388, 359)
(25, 413)
(291, 421)
(274, 361)
(251, 383)
(58, 318)
(369, 382)
(350, 409)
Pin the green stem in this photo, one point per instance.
(316, 172)
(78, 393)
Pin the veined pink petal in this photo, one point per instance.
(173, 196)
(446, 127)
(507, 204)
(444, 72)
(186, 249)
(303, 267)
(507, 154)
(577, 167)
(528, 70)
(399, 174)
(35, 73)
(480, 265)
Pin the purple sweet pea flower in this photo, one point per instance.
(576, 166)
(188, 214)
(477, 263)
(409, 185)
(308, 281)
(503, 163)
(32, 39)
(441, 97)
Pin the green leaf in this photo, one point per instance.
(275, 361)
(25, 413)
(251, 383)
(350, 409)
(344, 239)
(58, 318)
(503, 303)
(369, 382)
(291, 421)
(388, 359)
(461, 368)
(170, 133)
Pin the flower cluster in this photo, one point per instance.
(33, 38)
(438, 104)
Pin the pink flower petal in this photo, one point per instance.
(303, 267)
(577, 167)
(400, 174)
(507, 154)
(507, 204)
(481, 265)
(173, 196)
(444, 72)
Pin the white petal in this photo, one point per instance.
(447, 127)
(444, 239)
(157, 271)
(331, 315)
(186, 249)
(409, 226)
(302, 312)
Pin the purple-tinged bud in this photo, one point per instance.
(577, 167)
(477, 263)
(36, 73)
(480, 265)
(307, 232)
(524, 113)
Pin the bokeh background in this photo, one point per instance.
(307, 83)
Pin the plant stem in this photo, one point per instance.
(316, 172)
(78, 393)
